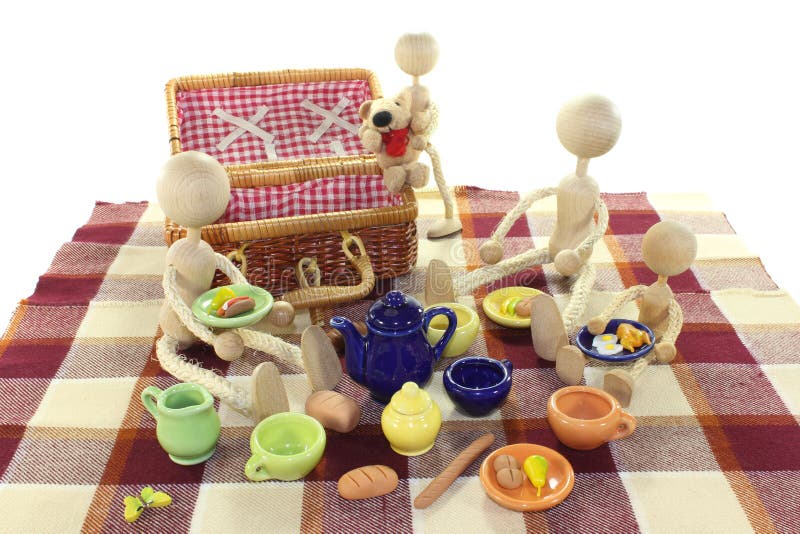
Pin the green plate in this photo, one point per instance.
(262, 297)
(493, 306)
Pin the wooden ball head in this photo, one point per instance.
(416, 53)
(193, 189)
(589, 126)
(669, 248)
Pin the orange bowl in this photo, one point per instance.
(560, 479)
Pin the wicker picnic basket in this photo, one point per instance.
(269, 250)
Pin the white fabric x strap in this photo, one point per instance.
(331, 117)
(337, 147)
(248, 125)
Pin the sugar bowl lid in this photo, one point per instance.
(411, 400)
(395, 312)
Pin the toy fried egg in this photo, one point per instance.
(609, 349)
(604, 339)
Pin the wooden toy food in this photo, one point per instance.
(440, 484)
(631, 337)
(503, 306)
(223, 295)
(535, 468)
(517, 306)
(507, 471)
(236, 306)
(335, 411)
(510, 478)
(558, 483)
(505, 461)
(368, 481)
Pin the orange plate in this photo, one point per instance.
(560, 479)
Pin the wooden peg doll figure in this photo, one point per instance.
(668, 249)
(588, 127)
(416, 54)
(193, 190)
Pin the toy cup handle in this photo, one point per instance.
(254, 469)
(150, 396)
(448, 333)
(627, 424)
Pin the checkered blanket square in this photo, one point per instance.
(717, 447)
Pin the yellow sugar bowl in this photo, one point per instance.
(411, 421)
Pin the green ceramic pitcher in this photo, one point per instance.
(187, 426)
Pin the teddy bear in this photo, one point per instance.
(396, 132)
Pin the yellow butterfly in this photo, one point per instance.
(134, 506)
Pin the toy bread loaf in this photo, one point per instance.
(440, 484)
(334, 410)
(510, 478)
(368, 481)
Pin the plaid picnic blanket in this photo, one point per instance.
(716, 448)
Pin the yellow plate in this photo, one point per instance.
(493, 306)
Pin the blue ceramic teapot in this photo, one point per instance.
(395, 349)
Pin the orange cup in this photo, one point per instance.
(584, 418)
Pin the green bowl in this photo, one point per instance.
(262, 297)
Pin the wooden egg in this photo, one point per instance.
(416, 53)
(589, 126)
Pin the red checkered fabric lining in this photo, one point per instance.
(289, 122)
(337, 193)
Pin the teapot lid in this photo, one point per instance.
(411, 400)
(394, 312)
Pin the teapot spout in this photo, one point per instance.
(354, 348)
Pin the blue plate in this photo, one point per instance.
(585, 338)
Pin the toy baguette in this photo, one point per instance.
(440, 484)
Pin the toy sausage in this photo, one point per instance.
(236, 306)
(440, 484)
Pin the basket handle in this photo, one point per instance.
(326, 296)
(239, 255)
(308, 267)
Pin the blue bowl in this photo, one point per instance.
(585, 338)
(478, 385)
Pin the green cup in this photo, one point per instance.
(285, 446)
(187, 426)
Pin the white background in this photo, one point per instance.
(708, 94)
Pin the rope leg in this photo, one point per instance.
(447, 198)
(579, 298)
(217, 385)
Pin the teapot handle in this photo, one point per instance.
(448, 333)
